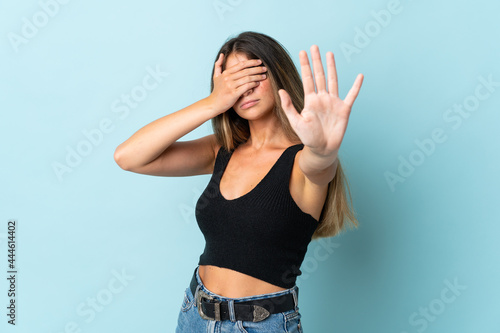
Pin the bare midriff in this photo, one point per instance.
(232, 284)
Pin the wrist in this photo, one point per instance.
(209, 105)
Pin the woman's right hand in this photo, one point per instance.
(234, 82)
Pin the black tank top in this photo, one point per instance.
(263, 233)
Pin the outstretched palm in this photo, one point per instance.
(322, 123)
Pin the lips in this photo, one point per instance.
(247, 103)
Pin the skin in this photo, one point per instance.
(322, 124)
(321, 127)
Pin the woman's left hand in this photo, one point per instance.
(322, 123)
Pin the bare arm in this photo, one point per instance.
(148, 143)
(153, 149)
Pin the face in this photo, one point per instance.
(263, 93)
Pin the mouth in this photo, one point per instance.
(249, 104)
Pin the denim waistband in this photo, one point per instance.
(294, 290)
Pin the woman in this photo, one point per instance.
(276, 184)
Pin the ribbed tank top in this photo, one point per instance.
(263, 233)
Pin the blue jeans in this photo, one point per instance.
(189, 320)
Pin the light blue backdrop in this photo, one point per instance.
(421, 154)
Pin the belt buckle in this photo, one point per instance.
(201, 294)
(260, 313)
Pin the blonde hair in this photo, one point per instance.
(231, 130)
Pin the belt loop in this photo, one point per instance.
(295, 298)
(196, 293)
(230, 305)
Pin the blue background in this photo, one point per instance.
(76, 231)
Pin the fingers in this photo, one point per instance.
(332, 74)
(288, 108)
(218, 65)
(249, 71)
(307, 79)
(353, 93)
(319, 73)
(245, 75)
(239, 66)
(246, 87)
(250, 78)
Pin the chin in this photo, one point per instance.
(257, 110)
(254, 113)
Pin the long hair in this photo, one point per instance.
(231, 130)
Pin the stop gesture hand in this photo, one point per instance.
(322, 123)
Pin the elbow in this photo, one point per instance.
(120, 159)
